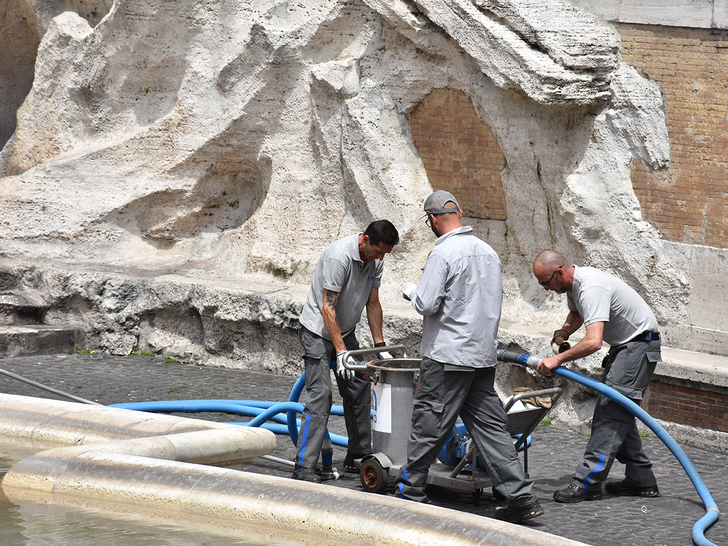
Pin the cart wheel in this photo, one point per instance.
(373, 476)
(497, 495)
(476, 496)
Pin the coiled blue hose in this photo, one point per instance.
(284, 413)
(712, 512)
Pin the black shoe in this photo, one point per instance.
(513, 514)
(574, 493)
(306, 474)
(350, 462)
(629, 488)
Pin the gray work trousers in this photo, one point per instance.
(628, 370)
(440, 397)
(356, 398)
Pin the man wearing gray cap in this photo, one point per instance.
(460, 296)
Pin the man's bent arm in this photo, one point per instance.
(328, 312)
(590, 344)
(573, 322)
(375, 316)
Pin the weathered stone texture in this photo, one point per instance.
(243, 137)
(460, 153)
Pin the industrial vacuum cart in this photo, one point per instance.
(394, 381)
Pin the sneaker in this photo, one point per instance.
(350, 462)
(306, 474)
(574, 493)
(513, 514)
(629, 488)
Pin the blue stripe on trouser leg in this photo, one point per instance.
(398, 490)
(588, 478)
(304, 438)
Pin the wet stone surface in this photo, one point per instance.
(613, 521)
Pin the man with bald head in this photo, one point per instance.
(612, 312)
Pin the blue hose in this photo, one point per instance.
(293, 397)
(712, 512)
(261, 411)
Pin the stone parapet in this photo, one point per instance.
(694, 368)
(170, 473)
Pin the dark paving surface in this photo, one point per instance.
(612, 521)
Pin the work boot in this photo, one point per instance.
(306, 474)
(513, 514)
(574, 493)
(350, 462)
(630, 488)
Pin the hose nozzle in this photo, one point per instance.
(529, 361)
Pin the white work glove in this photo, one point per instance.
(408, 290)
(383, 354)
(342, 371)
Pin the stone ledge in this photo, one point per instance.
(679, 365)
(34, 339)
(701, 368)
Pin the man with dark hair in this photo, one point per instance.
(613, 312)
(460, 296)
(346, 280)
(382, 231)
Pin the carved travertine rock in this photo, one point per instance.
(242, 139)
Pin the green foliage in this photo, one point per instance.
(170, 360)
(84, 351)
(546, 422)
(136, 352)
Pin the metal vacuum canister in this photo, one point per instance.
(394, 382)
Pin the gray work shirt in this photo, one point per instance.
(341, 269)
(460, 296)
(600, 297)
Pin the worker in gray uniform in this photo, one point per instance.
(346, 280)
(613, 312)
(460, 295)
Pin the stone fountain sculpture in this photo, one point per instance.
(238, 138)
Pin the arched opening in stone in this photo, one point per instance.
(460, 153)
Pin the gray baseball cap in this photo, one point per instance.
(435, 204)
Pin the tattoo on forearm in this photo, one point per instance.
(330, 300)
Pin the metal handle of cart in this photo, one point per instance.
(532, 394)
(372, 350)
(526, 425)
